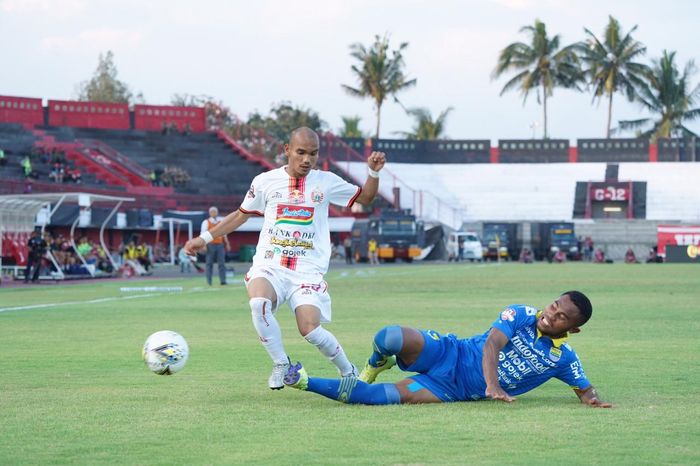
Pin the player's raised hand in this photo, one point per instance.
(376, 161)
(497, 393)
(194, 245)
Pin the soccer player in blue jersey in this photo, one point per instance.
(524, 348)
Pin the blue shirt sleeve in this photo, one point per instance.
(572, 373)
(514, 317)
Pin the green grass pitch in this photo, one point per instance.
(73, 388)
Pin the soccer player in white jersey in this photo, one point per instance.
(294, 247)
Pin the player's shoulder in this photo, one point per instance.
(327, 177)
(519, 312)
(270, 175)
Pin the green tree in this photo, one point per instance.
(427, 128)
(670, 95)
(104, 85)
(379, 72)
(541, 65)
(351, 127)
(285, 117)
(218, 114)
(610, 64)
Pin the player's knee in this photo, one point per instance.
(310, 330)
(389, 340)
(260, 307)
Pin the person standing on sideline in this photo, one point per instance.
(373, 250)
(294, 247)
(347, 244)
(215, 249)
(37, 248)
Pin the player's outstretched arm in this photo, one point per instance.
(375, 162)
(494, 344)
(230, 223)
(589, 396)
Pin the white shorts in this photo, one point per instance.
(294, 288)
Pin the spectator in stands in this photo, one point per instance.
(75, 176)
(559, 256)
(28, 187)
(165, 128)
(37, 248)
(186, 129)
(630, 257)
(599, 256)
(526, 256)
(57, 172)
(173, 127)
(27, 167)
(3, 160)
(143, 256)
(215, 249)
(154, 179)
(347, 245)
(84, 247)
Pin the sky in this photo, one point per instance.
(251, 54)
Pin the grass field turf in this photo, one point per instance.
(73, 388)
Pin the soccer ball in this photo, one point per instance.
(165, 352)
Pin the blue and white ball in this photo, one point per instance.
(165, 352)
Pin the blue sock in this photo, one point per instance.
(387, 342)
(354, 391)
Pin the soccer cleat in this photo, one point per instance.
(369, 373)
(276, 380)
(297, 377)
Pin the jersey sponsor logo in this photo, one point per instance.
(508, 314)
(269, 254)
(296, 196)
(276, 195)
(530, 311)
(317, 195)
(528, 354)
(291, 243)
(433, 334)
(294, 215)
(554, 354)
(577, 370)
(251, 192)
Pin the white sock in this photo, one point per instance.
(328, 345)
(268, 329)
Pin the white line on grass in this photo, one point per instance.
(103, 300)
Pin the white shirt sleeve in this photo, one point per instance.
(204, 227)
(340, 192)
(254, 202)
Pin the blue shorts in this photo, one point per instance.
(437, 366)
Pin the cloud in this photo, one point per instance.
(92, 40)
(56, 9)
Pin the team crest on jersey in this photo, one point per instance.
(296, 196)
(294, 215)
(508, 314)
(554, 354)
(317, 195)
(251, 192)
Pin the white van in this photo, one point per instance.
(471, 246)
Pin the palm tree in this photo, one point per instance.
(379, 72)
(427, 129)
(669, 95)
(610, 64)
(351, 127)
(542, 65)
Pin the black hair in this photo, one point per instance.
(582, 303)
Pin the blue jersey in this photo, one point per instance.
(451, 368)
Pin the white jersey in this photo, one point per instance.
(295, 233)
